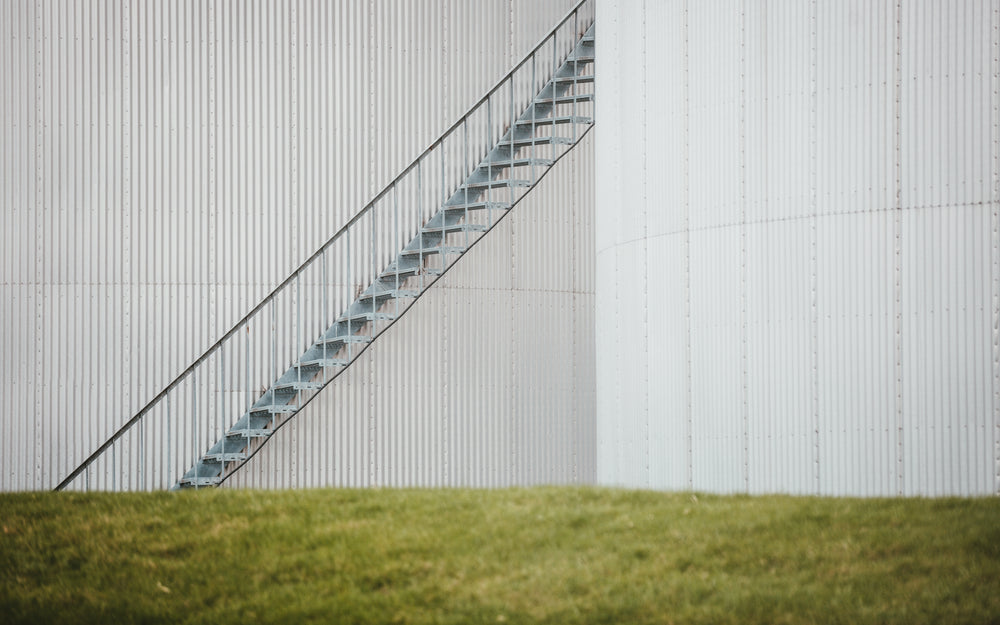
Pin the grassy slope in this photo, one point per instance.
(540, 555)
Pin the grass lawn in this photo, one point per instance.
(546, 555)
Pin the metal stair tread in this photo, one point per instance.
(437, 249)
(494, 184)
(394, 271)
(517, 162)
(365, 316)
(344, 338)
(323, 363)
(199, 481)
(296, 385)
(274, 409)
(566, 99)
(391, 294)
(456, 228)
(585, 78)
(549, 121)
(479, 205)
(228, 456)
(249, 433)
(541, 141)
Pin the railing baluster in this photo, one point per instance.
(576, 71)
(170, 447)
(420, 217)
(534, 114)
(350, 289)
(326, 316)
(489, 163)
(465, 164)
(395, 246)
(374, 274)
(510, 183)
(194, 418)
(222, 401)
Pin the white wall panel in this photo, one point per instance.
(166, 164)
(832, 172)
(486, 381)
(718, 411)
(668, 372)
(856, 388)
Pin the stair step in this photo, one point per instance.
(246, 433)
(550, 121)
(394, 272)
(437, 249)
(517, 162)
(343, 339)
(390, 294)
(566, 99)
(323, 363)
(368, 316)
(586, 78)
(587, 40)
(295, 385)
(494, 184)
(275, 409)
(483, 205)
(199, 481)
(581, 58)
(520, 143)
(456, 228)
(229, 456)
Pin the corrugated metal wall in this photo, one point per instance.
(798, 237)
(165, 164)
(488, 380)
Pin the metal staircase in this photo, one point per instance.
(439, 221)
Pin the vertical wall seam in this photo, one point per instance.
(745, 375)
(897, 254)
(128, 276)
(295, 185)
(38, 259)
(510, 34)
(445, 9)
(373, 459)
(995, 325)
(619, 425)
(814, 260)
(445, 375)
(686, 201)
(372, 77)
(516, 441)
(574, 311)
(213, 160)
(645, 250)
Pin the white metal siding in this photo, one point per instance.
(165, 164)
(798, 241)
(486, 381)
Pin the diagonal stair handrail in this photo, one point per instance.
(504, 138)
